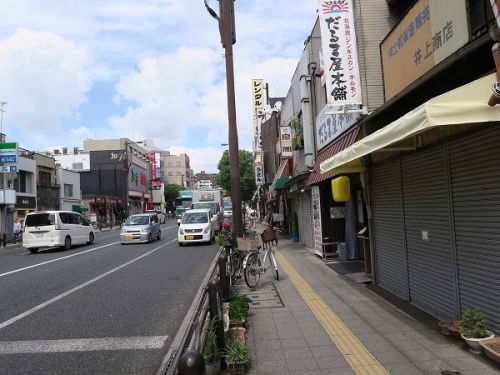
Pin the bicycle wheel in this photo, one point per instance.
(275, 266)
(252, 270)
(236, 264)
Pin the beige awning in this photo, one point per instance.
(464, 105)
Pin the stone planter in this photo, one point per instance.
(491, 348)
(238, 333)
(212, 368)
(236, 368)
(474, 344)
(237, 323)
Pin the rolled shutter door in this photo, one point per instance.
(428, 233)
(388, 227)
(475, 176)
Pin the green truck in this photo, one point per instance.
(183, 202)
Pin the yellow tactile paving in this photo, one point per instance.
(356, 354)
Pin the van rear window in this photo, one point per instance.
(38, 220)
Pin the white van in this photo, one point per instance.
(56, 228)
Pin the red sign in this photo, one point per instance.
(144, 179)
(152, 161)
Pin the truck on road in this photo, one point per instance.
(202, 198)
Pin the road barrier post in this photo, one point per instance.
(214, 307)
(192, 363)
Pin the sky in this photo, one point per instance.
(143, 69)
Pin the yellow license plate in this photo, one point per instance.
(189, 238)
(129, 238)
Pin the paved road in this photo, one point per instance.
(100, 309)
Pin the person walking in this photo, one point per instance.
(17, 230)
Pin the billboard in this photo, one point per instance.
(430, 31)
(8, 153)
(286, 142)
(340, 52)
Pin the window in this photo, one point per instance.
(178, 164)
(480, 13)
(21, 213)
(68, 190)
(178, 173)
(170, 173)
(22, 182)
(170, 164)
(40, 220)
(77, 166)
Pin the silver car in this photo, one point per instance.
(140, 228)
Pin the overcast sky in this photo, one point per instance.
(77, 69)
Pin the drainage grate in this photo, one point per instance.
(170, 361)
(265, 296)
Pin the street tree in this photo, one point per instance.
(247, 177)
(171, 191)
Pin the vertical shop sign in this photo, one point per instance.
(259, 168)
(152, 161)
(340, 53)
(286, 142)
(318, 233)
(259, 102)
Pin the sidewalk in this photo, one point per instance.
(315, 321)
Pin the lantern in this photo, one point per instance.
(341, 189)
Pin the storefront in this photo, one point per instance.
(436, 210)
(24, 205)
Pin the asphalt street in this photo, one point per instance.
(101, 309)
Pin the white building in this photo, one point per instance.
(77, 160)
(24, 182)
(71, 195)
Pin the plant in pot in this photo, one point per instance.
(294, 226)
(473, 329)
(211, 352)
(236, 355)
(298, 137)
(238, 310)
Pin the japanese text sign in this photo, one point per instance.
(330, 127)
(286, 142)
(431, 31)
(259, 169)
(259, 102)
(340, 54)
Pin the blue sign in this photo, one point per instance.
(8, 159)
(13, 168)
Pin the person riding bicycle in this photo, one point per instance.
(268, 218)
(17, 229)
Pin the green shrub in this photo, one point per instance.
(211, 351)
(473, 325)
(238, 306)
(236, 352)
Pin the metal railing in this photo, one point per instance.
(209, 304)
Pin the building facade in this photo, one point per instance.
(47, 189)
(70, 192)
(177, 170)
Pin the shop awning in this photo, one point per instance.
(279, 173)
(336, 146)
(281, 182)
(464, 105)
(79, 208)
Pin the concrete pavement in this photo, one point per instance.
(315, 321)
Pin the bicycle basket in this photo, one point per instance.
(245, 244)
(269, 235)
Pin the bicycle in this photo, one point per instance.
(236, 261)
(254, 263)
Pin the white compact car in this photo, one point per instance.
(195, 227)
(56, 228)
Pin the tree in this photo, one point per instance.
(247, 177)
(171, 191)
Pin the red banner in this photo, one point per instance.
(152, 161)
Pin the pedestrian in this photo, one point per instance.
(17, 230)
(268, 219)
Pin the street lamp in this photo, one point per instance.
(227, 33)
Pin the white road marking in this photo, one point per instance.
(82, 345)
(77, 288)
(55, 260)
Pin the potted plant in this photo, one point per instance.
(454, 328)
(294, 227)
(491, 348)
(220, 239)
(236, 355)
(238, 309)
(473, 329)
(211, 352)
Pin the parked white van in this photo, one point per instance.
(56, 228)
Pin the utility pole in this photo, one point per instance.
(227, 33)
(2, 140)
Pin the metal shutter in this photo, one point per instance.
(427, 210)
(475, 176)
(305, 219)
(388, 226)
